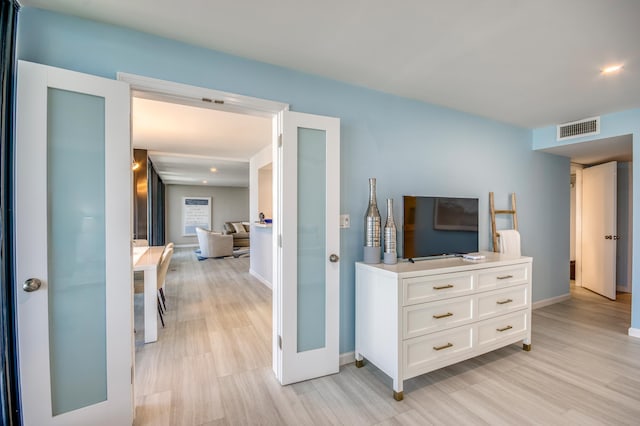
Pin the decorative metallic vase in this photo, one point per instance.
(372, 227)
(390, 256)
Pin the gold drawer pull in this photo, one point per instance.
(439, 348)
(505, 277)
(504, 328)
(504, 302)
(448, 314)
(442, 287)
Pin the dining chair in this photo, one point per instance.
(138, 282)
(161, 289)
(162, 272)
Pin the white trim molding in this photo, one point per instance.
(634, 332)
(550, 301)
(156, 89)
(622, 288)
(347, 358)
(260, 278)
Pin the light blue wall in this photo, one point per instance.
(616, 124)
(409, 146)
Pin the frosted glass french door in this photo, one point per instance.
(73, 252)
(310, 268)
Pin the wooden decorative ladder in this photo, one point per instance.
(494, 212)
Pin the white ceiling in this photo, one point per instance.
(530, 63)
(184, 142)
(193, 170)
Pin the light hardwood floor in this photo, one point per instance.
(212, 366)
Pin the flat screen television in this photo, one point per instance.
(437, 226)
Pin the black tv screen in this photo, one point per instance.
(436, 226)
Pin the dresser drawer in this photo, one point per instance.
(502, 301)
(493, 331)
(437, 316)
(502, 277)
(422, 352)
(434, 287)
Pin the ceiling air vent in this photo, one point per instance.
(588, 126)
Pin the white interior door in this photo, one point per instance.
(599, 196)
(308, 276)
(73, 249)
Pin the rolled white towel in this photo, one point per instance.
(510, 242)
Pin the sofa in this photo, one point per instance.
(239, 231)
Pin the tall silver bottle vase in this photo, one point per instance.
(390, 256)
(372, 227)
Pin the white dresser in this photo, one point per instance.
(413, 318)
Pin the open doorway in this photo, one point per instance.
(193, 168)
(305, 148)
(584, 236)
(178, 160)
(585, 157)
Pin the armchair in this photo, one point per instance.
(213, 244)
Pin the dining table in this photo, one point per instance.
(147, 260)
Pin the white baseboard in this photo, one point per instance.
(347, 358)
(623, 288)
(634, 332)
(260, 278)
(186, 245)
(546, 302)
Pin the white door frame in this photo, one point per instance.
(627, 239)
(578, 218)
(151, 88)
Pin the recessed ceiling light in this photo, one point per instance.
(213, 170)
(611, 69)
(204, 181)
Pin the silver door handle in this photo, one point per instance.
(616, 237)
(32, 284)
(334, 258)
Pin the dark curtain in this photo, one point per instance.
(9, 398)
(156, 212)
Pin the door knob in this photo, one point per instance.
(608, 237)
(32, 284)
(334, 258)
(616, 237)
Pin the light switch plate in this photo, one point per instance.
(345, 221)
